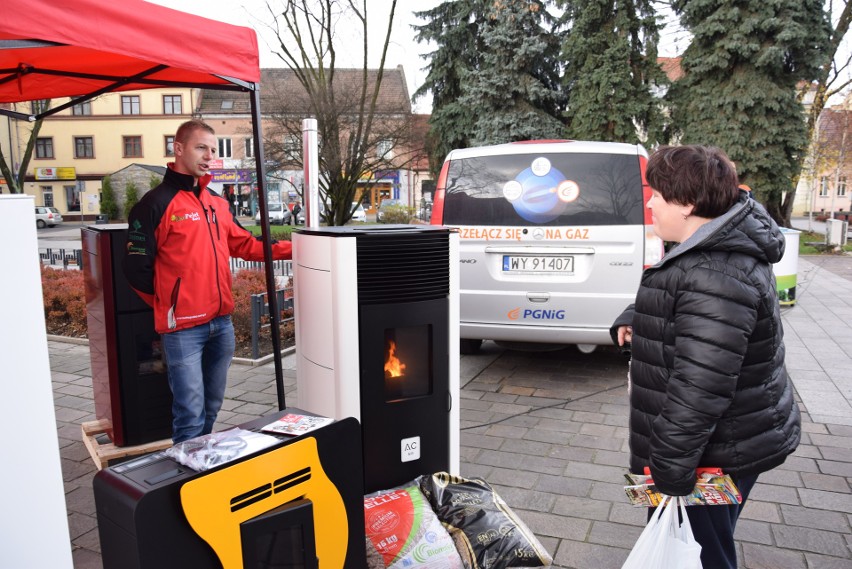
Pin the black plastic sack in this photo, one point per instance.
(486, 532)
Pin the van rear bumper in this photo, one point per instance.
(543, 334)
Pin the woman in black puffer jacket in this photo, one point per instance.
(708, 382)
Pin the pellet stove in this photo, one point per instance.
(129, 378)
(296, 504)
(377, 339)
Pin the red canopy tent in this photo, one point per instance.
(84, 48)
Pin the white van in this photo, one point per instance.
(554, 236)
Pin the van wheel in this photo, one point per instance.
(468, 346)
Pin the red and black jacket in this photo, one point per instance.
(179, 242)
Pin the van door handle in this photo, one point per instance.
(538, 296)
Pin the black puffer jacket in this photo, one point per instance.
(709, 386)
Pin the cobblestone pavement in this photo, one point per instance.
(548, 431)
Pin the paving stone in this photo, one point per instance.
(559, 425)
(513, 477)
(595, 471)
(808, 451)
(765, 557)
(799, 464)
(835, 468)
(829, 483)
(86, 559)
(573, 454)
(564, 485)
(78, 524)
(838, 454)
(606, 491)
(605, 443)
(555, 526)
(781, 477)
(506, 431)
(521, 498)
(480, 440)
(826, 500)
(753, 532)
(815, 519)
(531, 463)
(625, 513)
(761, 511)
(830, 440)
(774, 493)
(575, 554)
(813, 540)
(552, 437)
(840, 430)
(584, 508)
(816, 561)
(526, 446)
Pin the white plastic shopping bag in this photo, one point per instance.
(666, 542)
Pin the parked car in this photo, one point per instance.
(47, 217)
(359, 215)
(383, 208)
(278, 214)
(300, 218)
(554, 237)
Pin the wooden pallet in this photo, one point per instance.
(103, 453)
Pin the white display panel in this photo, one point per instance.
(33, 520)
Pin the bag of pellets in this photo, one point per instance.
(403, 532)
(487, 533)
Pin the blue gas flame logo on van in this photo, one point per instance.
(540, 193)
(535, 314)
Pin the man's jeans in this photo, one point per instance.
(198, 359)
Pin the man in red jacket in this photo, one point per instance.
(181, 236)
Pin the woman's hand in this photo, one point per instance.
(625, 335)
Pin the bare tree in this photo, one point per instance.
(834, 77)
(15, 180)
(828, 157)
(360, 133)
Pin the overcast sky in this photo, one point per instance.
(403, 50)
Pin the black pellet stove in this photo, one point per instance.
(377, 339)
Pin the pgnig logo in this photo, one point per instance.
(537, 314)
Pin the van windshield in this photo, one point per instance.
(544, 189)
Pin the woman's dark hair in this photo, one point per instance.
(701, 176)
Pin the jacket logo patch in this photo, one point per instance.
(191, 216)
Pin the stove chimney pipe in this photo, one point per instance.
(310, 155)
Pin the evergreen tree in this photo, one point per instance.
(131, 197)
(109, 207)
(454, 26)
(611, 68)
(514, 94)
(739, 86)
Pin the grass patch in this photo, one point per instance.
(279, 232)
(807, 237)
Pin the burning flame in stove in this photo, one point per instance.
(393, 367)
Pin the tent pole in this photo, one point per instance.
(271, 297)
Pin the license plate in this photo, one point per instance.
(538, 264)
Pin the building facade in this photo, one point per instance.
(78, 146)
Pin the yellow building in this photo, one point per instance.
(78, 146)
